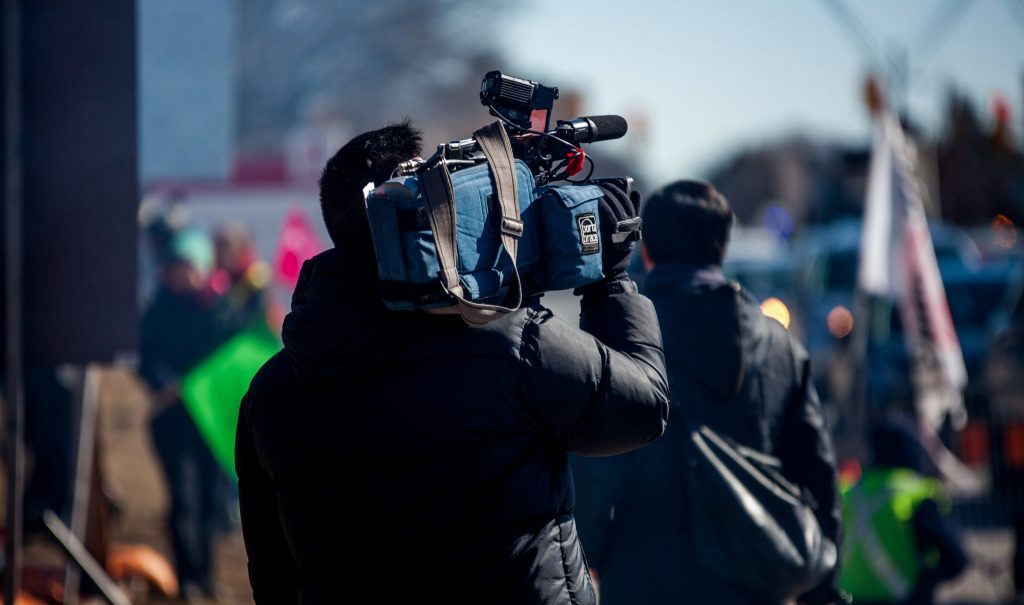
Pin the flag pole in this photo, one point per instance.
(859, 416)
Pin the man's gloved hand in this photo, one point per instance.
(616, 206)
(617, 243)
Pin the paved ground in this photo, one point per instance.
(989, 578)
(135, 477)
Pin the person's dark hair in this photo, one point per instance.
(687, 221)
(369, 157)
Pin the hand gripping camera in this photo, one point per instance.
(490, 219)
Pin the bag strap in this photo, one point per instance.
(494, 143)
(440, 204)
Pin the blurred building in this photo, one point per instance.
(187, 100)
(971, 173)
(812, 181)
(981, 167)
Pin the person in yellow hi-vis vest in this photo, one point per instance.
(898, 541)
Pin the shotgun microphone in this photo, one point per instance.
(590, 129)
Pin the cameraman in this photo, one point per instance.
(407, 457)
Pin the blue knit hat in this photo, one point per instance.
(191, 246)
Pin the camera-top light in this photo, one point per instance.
(526, 103)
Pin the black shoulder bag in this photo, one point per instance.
(750, 523)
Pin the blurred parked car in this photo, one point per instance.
(1000, 433)
(828, 258)
(975, 296)
(1004, 368)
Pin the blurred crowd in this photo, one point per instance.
(210, 288)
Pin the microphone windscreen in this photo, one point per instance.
(608, 127)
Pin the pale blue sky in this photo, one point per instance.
(712, 76)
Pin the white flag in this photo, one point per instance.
(874, 269)
(897, 261)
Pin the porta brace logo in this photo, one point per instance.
(590, 240)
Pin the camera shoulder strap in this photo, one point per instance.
(494, 143)
(439, 200)
(440, 204)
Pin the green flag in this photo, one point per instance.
(213, 390)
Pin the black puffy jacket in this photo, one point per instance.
(742, 372)
(403, 457)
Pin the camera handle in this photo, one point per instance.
(630, 230)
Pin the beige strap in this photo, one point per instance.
(440, 202)
(440, 205)
(494, 143)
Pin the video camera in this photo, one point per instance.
(525, 107)
(447, 237)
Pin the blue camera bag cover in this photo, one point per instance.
(493, 244)
(571, 235)
(406, 251)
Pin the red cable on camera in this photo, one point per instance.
(576, 160)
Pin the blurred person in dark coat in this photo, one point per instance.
(49, 437)
(727, 362)
(407, 457)
(179, 329)
(900, 542)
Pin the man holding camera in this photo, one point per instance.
(740, 373)
(407, 457)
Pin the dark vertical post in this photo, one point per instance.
(13, 402)
(80, 173)
(78, 110)
(70, 197)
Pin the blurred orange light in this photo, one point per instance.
(777, 310)
(840, 321)
(1004, 232)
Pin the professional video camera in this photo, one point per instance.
(496, 216)
(525, 108)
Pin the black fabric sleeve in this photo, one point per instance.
(272, 572)
(934, 532)
(805, 449)
(602, 392)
